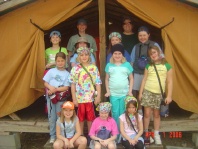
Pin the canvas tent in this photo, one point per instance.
(22, 46)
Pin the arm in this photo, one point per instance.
(140, 131)
(143, 84)
(107, 85)
(131, 141)
(51, 89)
(62, 88)
(133, 55)
(97, 99)
(73, 91)
(76, 136)
(130, 84)
(169, 86)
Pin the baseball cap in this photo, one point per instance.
(68, 105)
(55, 33)
(83, 21)
(82, 39)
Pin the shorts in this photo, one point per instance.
(92, 145)
(137, 81)
(86, 111)
(150, 99)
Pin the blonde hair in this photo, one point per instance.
(62, 117)
(78, 58)
(112, 60)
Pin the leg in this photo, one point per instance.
(157, 126)
(112, 145)
(156, 114)
(127, 145)
(89, 125)
(52, 117)
(97, 145)
(58, 144)
(81, 143)
(82, 127)
(147, 113)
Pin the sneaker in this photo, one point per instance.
(151, 139)
(52, 140)
(157, 139)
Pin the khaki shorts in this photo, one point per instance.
(150, 99)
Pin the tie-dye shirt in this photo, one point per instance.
(84, 87)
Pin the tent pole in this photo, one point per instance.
(102, 44)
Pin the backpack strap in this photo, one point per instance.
(60, 49)
(64, 130)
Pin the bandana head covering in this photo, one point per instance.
(115, 34)
(104, 107)
(130, 98)
(83, 50)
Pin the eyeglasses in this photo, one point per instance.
(127, 23)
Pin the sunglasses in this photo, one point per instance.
(127, 23)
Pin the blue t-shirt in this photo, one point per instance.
(118, 78)
(57, 77)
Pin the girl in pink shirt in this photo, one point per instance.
(131, 125)
(104, 129)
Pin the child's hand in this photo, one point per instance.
(105, 142)
(97, 100)
(107, 94)
(132, 141)
(130, 94)
(71, 144)
(48, 66)
(66, 142)
(140, 97)
(75, 102)
(168, 100)
(51, 90)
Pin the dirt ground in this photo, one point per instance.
(38, 140)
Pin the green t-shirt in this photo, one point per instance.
(50, 54)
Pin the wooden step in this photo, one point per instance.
(119, 146)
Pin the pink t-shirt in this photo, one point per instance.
(99, 124)
(127, 129)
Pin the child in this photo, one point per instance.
(50, 53)
(150, 93)
(139, 53)
(82, 42)
(104, 129)
(118, 80)
(131, 125)
(56, 80)
(68, 129)
(115, 38)
(85, 83)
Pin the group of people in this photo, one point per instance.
(131, 82)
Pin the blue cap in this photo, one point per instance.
(55, 33)
(83, 21)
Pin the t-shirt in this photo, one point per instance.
(99, 124)
(73, 58)
(127, 129)
(57, 77)
(84, 86)
(74, 39)
(70, 128)
(152, 83)
(118, 78)
(129, 41)
(50, 54)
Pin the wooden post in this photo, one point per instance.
(102, 44)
